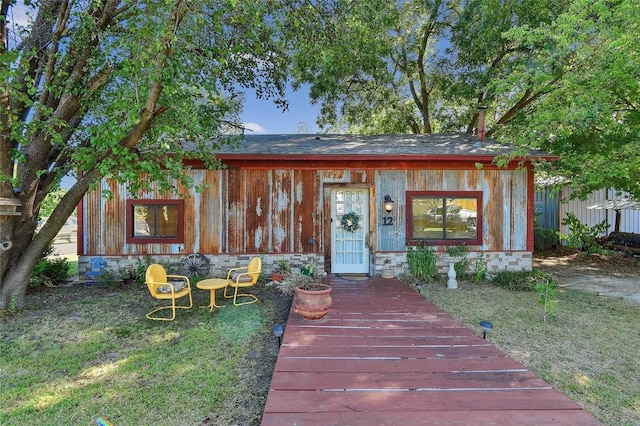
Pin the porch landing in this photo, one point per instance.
(386, 356)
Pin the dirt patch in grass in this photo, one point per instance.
(614, 275)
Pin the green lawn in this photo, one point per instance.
(78, 354)
(590, 352)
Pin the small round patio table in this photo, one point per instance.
(212, 284)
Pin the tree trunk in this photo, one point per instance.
(15, 282)
(27, 248)
(22, 258)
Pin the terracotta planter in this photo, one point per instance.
(277, 276)
(313, 304)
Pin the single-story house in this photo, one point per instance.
(344, 203)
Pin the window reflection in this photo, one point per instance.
(155, 220)
(442, 218)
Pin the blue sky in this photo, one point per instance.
(263, 117)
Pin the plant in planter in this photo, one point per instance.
(308, 270)
(311, 296)
(279, 272)
(458, 251)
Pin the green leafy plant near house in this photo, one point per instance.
(458, 250)
(421, 261)
(546, 288)
(308, 270)
(479, 269)
(283, 265)
(49, 271)
(140, 268)
(583, 237)
(519, 280)
(544, 239)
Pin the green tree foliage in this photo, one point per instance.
(591, 119)
(117, 88)
(418, 66)
(562, 76)
(51, 200)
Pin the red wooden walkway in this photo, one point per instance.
(386, 356)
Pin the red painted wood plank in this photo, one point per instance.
(295, 333)
(373, 341)
(362, 315)
(285, 364)
(433, 418)
(407, 381)
(481, 400)
(391, 352)
(331, 321)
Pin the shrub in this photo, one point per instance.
(520, 280)
(544, 239)
(479, 270)
(50, 271)
(583, 237)
(421, 261)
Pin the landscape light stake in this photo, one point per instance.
(278, 330)
(486, 326)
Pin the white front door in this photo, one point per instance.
(350, 237)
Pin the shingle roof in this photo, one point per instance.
(448, 144)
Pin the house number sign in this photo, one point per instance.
(387, 221)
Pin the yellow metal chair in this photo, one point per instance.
(160, 288)
(246, 276)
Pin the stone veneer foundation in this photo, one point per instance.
(495, 261)
(396, 261)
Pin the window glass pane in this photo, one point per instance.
(155, 220)
(427, 218)
(442, 218)
(461, 219)
(141, 226)
(167, 221)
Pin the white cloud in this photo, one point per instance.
(255, 127)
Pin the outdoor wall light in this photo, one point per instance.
(486, 326)
(388, 203)
(278, 330)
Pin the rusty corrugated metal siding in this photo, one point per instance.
(281, 200)
(307, 213)
(282, 211)
(210, 214)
